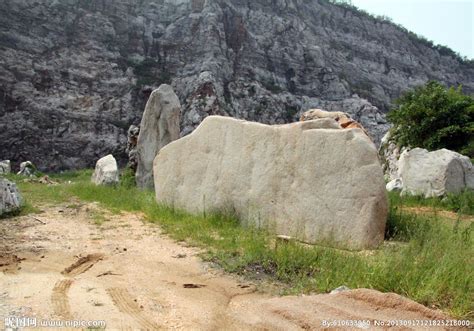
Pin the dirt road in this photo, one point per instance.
(60, 265)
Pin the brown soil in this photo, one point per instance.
(129, 274)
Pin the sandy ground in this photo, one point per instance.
(59, 265)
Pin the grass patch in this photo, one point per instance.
(423, 257)
(462, 203)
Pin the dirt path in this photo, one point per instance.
(446, 214)
(60, 265)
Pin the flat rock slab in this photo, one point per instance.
(311, 180)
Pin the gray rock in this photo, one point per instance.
(10, 197)
(76, 74)
(159, 127)
(5, 167)
(395, 185)
(106, 171)
(27, 169)
(311, 180)
(132, 140)
(433, 174)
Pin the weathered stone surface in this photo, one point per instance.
(159, 127)
(76, 74)
(132, 140)
(106, 171)
(436, 173)
(27, 169)
(308, 180)
(10, 197)
(5, 167)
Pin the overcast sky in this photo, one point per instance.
(445, 22)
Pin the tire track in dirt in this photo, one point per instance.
(82, 265)
(126, 304)
(60, 300)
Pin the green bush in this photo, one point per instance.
(434, 117)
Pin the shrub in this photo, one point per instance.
(434, 117)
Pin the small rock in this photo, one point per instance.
(27, 169)
(5, 167)
(46, 180)
(395, 185)
(342, 288)
(106, 171)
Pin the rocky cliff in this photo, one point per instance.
(74, 74)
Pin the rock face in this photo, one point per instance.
(308, 180)
(76, 74)
(106, 171)
(10, 198)
(5, 167)
(27, 169)
(434, 174)
(159, 127)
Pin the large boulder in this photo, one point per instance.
(10, 198)
(106, 171)
(159, 127)
(5, 167)
(309, 180)
(433, 174)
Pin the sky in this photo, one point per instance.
(445, 22)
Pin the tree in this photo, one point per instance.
(434, 117)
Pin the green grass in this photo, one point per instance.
(460, 203)
(424, 258)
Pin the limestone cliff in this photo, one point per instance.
(74, 74)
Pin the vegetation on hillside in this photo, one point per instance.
(425, 257)
(435, 117)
